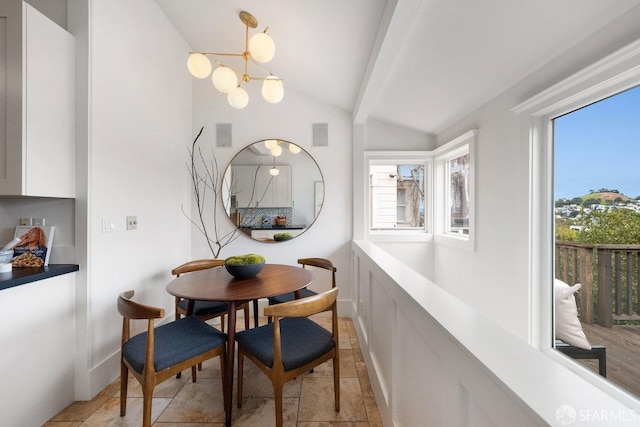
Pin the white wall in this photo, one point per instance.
(290, 120)
(139, 112)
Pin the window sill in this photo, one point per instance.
(398, 237)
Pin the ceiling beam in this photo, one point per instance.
(397, 19)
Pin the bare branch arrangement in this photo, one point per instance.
(206, 179)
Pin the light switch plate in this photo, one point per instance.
(108, 225)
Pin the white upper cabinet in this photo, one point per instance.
(268, 192)
(37, 114)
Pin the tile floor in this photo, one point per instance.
(181, 403)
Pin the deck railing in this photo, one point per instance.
(610, 277)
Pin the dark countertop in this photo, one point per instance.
(23, 275)
(278, 227)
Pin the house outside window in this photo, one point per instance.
(397, 195)
(458, 174)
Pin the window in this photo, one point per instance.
(454, 201)
(614, 74)
(397, 193)
(458, 201)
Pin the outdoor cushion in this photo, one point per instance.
(568, 327)
(174, 342)
(303, 340)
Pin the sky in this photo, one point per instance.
(598, 147)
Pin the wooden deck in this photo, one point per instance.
(623, 354)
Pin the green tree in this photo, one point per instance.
(591, 201)
(576, 201)
(564, 233)
(619, 226)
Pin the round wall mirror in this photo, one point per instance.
(273, 190)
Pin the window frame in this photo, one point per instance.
(400, 157)
(613, 74)
(458, 147)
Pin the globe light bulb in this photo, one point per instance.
(294, 148)
(272, 89)
(270, 143)
(262, 47)
(199, 65)
(238, 98)
(274, 171)
(276, 151)
(224, 79)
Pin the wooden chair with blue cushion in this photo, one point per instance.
(160, 353)
(205, 309)
(292, 344)
(312, 262)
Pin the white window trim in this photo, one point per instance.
(613, 74)
(461, 145)
(380, 157)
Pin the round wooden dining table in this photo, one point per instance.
(216, 284)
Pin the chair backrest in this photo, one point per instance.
(133, 310)
(305, 307)
(320, 263)
(199, 264)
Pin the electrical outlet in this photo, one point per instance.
(132, 222)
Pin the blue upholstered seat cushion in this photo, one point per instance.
(175, 342)
(303, 340)
(203, 308)
(279, 299)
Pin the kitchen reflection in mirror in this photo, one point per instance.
(271, 190)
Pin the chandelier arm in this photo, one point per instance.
(231, 68)
(218, 54)
(246, 54)
(263, 68)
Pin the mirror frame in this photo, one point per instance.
(237, 214)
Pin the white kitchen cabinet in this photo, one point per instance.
(269, 191)
(37, 115)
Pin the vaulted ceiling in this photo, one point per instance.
(422, 64)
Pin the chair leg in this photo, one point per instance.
(200, 366)
(124, 382)
(255, 313)
(194, 374)
(277, 392)
(336, 381)
(222, 323)
(222, 358)
(246, 316)
(240, 373)
(147, 397)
